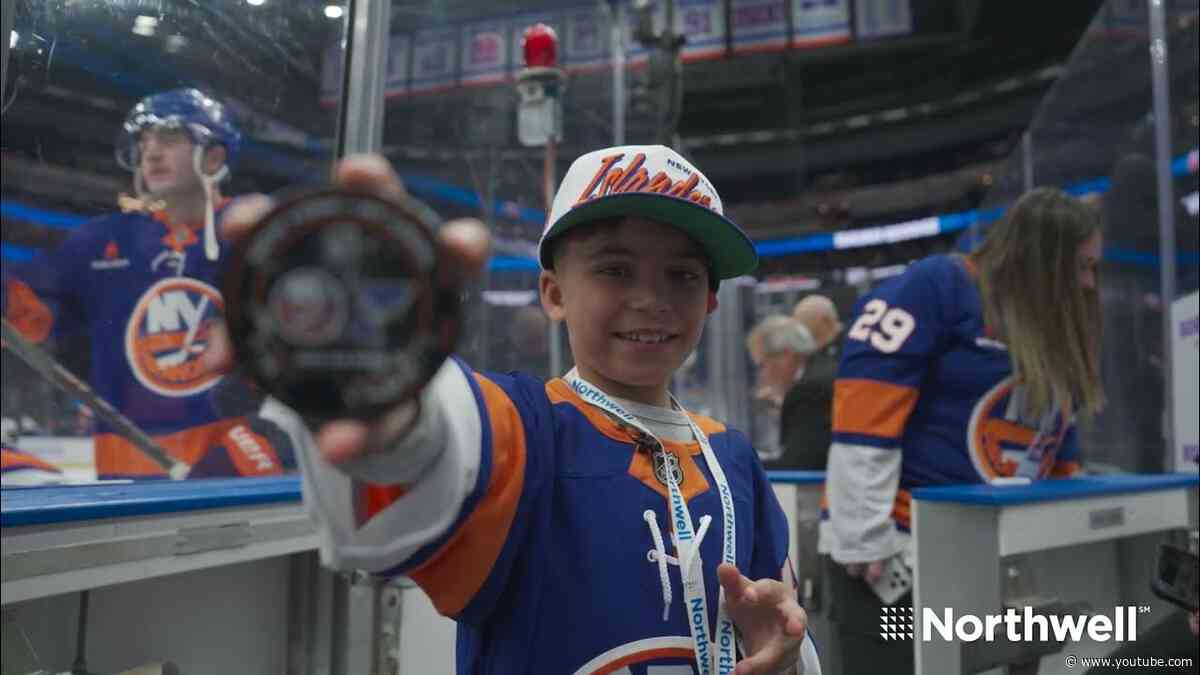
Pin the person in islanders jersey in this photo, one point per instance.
(964, 369)
(587, 524)
(141, 283)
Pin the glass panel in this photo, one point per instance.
(109, 274)
(1093, 135)
(452, 131)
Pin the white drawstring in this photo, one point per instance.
(658, 554)
(211, 249)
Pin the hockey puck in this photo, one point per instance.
(339, 304)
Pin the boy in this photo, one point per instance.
(577, 525)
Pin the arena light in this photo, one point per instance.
(539, 45)
(333, 11)
(13, 38)
(255, 3)
(145, 25)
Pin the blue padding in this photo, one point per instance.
(437, 189)
(1056, 490)
(55, 219)
(512, 262)
(809, 244)
(14, 253)
(1088, 187)
(814, 243)
(43, 505)
(796, 477)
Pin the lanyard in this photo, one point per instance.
(711, 659)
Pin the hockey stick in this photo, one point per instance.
(52, 370)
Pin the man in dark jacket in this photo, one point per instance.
(804, 428)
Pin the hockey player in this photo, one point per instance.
(141, 283)
(961, 370)
(587, 524)
(22, 469)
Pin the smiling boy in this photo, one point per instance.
(578, 525)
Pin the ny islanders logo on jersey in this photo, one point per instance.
(167, 334)
(651, 656)
(1002, 443)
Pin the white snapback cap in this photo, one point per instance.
(656, 183)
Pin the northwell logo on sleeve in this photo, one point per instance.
(897, 623)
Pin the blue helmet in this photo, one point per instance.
(206, 121)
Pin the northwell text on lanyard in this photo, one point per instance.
(710, 660)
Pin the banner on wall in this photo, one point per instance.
(331, 73)
(586, 44)
(485, 52)
(817, 23)
(434, 60)
(703, 23)
(875, 19)
(758, 25)
(488, 51)
(399, 48)
(1185, 347)
(635, 52)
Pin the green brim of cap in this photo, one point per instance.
(730, 250)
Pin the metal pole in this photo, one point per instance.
(617, 12)
(8, 9)
(368, 25)
(1166, 210)
(81, 626)
(1026, 161)
(363, 94)
(557, 365)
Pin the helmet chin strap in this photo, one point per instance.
(139, 184)
(211, 248)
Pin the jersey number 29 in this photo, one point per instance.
(886, 329)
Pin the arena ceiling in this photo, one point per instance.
(766, 126)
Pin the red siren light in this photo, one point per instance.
(540, 45)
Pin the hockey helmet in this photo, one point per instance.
(206, 121)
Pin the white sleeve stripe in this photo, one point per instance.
(425, 512)
(861, 482)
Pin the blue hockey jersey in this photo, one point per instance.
(546, 565)
(146, 298)
(924, 383)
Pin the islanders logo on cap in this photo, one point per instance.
(167, 333)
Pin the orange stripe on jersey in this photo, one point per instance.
(902, 508)
(1064, 469)
(453, 575)
(16, 459)
(379, 497)
(641, 467)
(27, 313)
(560, 392)
(707, 424)
(117, 456)
(644, 657)
(871, 407)
(251, 453)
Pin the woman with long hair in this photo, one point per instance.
(965, 369)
